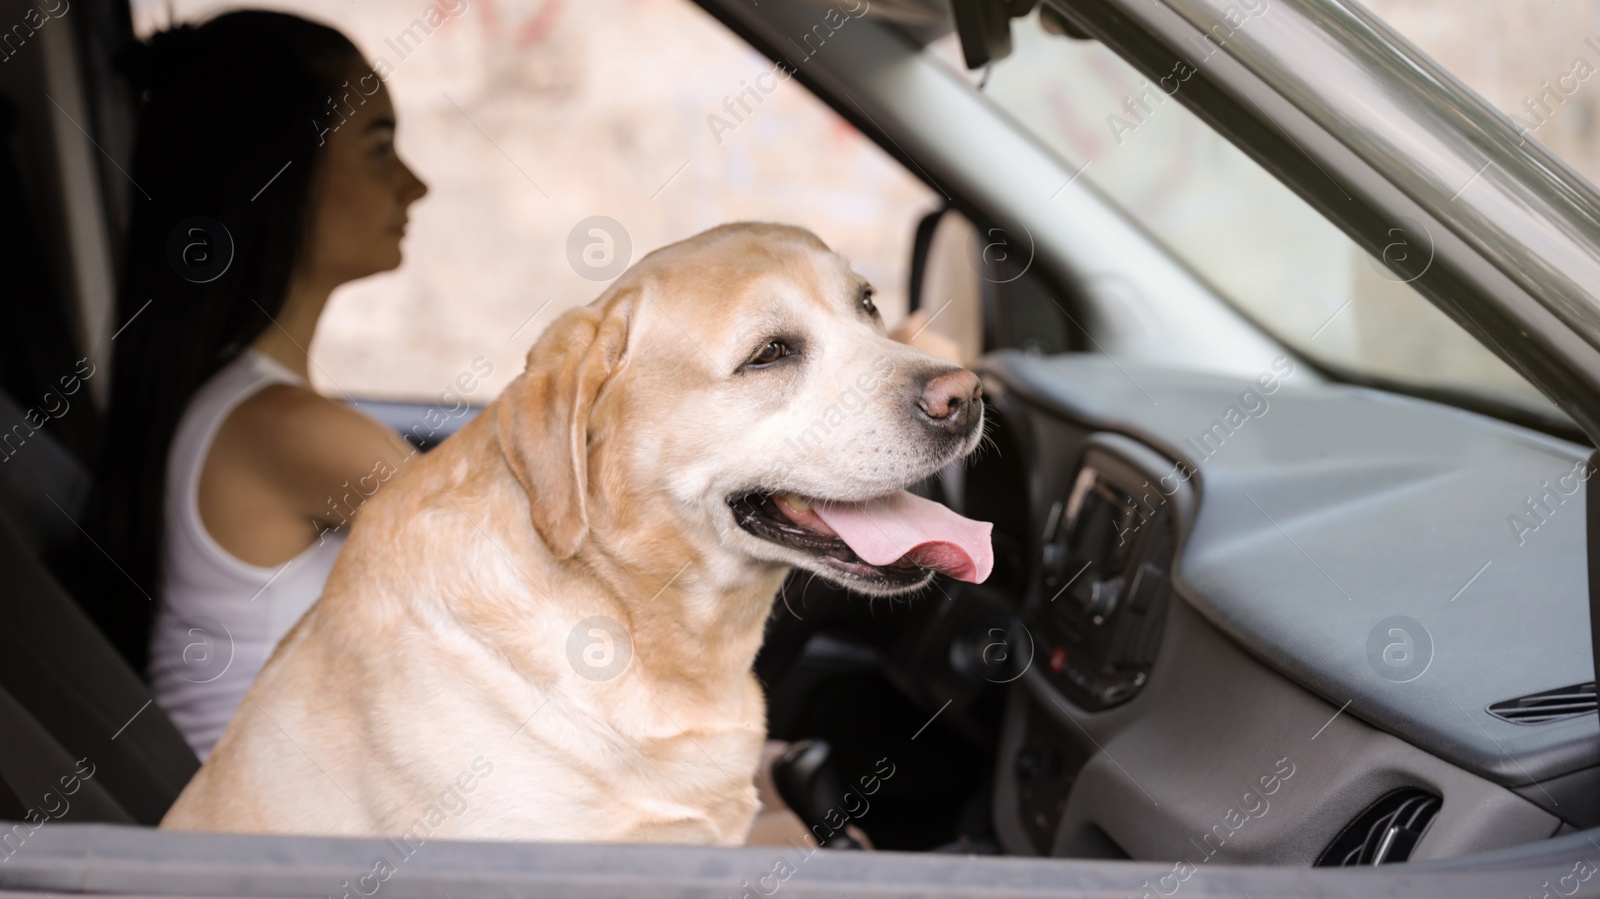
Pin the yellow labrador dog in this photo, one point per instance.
(544, 629)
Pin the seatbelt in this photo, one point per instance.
(921, 245)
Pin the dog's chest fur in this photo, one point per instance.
(419, 710)
(663, 751)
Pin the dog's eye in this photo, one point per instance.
(770, 353)
(866, 302)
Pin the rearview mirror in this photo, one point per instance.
(984, 27)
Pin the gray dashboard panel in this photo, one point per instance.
(1229, 763)
(1338, 507)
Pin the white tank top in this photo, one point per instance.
(218, 618)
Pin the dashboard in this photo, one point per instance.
(1336, 627)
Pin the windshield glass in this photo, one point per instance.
(1274, 257)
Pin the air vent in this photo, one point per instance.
(1385, 833)
(1551, 705)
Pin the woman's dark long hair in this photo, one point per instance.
(231, 118)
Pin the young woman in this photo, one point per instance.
(267, 176)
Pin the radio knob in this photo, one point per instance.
(1101, 599)
(1029, 765)
(1053, 561)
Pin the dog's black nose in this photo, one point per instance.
(950, 400)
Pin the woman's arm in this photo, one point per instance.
(288, 463)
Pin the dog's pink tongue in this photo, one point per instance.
(903, 524)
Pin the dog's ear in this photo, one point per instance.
(543, 420)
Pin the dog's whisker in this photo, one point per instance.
(807, 587)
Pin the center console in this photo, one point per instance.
(1105, 561)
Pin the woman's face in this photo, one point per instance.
(361, 189)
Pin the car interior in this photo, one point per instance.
(1257, 599)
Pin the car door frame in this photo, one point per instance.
(68, 857)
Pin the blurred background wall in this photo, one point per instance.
(527, 117)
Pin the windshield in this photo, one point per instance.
(1260, 246)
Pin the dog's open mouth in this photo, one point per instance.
(896, 538)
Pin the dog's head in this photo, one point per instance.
(741, 383)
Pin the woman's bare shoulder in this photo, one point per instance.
(265, 412)
(304, 443)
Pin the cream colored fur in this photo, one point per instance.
(595, 485)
